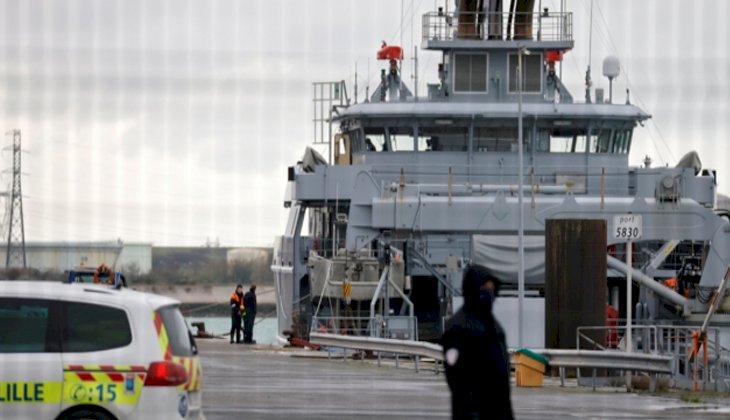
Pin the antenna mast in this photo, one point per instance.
(415, 73)
(15, 251)
(589, 83)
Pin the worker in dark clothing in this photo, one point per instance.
(236, 311)
(475, 353)
(249, 300)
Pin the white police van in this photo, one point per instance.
(81, 351)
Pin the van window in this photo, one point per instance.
(181, 341)
(89, 327)
(24, 326)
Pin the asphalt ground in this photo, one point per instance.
(257, 382)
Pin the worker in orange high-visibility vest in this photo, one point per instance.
(237, 309)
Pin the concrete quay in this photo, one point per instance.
(261, 382)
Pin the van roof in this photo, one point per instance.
(58, 290)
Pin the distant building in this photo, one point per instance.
(245, 255)
(138, 255)
(61, 256)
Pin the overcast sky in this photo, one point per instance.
(173, 122)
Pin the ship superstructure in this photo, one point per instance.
(418, 187)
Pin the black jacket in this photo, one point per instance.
(479, 378)
(476, 358)
(249, 301)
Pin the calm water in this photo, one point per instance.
(264, 329)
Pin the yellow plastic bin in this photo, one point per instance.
(529, 368)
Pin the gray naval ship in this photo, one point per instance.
(416, 187)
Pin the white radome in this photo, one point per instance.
(611, 66)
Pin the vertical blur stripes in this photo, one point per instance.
(173, 121)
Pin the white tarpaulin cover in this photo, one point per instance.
(499, 254)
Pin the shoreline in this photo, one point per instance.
(222, 310)
(205, 294)
(211, 301)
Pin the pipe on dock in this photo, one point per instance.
(644, 280)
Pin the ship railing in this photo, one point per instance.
(644, 337)
(326, 98)
(666, 340)
(398, 327)
(600, 179)
(343, 325)
(677, 341)
(469, 180)
(498, 26)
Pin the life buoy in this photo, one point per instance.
(103, 269)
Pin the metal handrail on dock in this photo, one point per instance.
(385, 345)
(561, 358)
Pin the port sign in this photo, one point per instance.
(627, 227)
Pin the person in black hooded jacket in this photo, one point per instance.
(475, 353)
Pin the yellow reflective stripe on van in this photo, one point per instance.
(30, 392)
(191, 364)
(162, 337)
(192, 368)
(194, 384)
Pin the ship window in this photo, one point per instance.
(565, 142)
(341, 148)
(622, 142)
(618, 137)
(401, 138)
(357, 143)
(532, 73)
(610, 141)
(601, 142)
(449, 139)
(374, 139)
(492, 139)
(470, 72)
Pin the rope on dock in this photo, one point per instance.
(200, 308)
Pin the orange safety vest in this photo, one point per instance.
(238, 300)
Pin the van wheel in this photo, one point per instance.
(86, 413)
